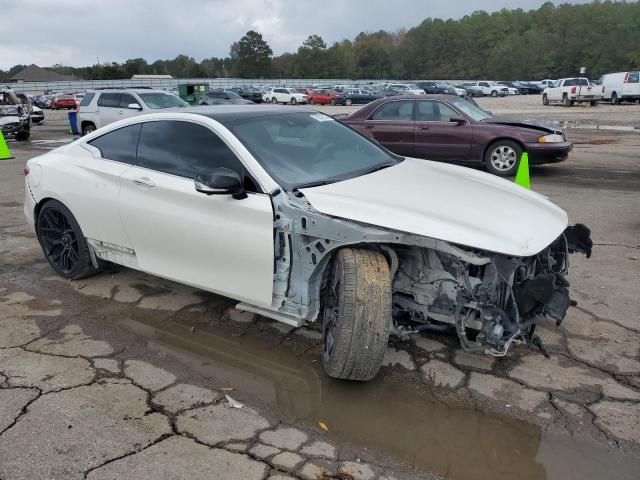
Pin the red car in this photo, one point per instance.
(63, 101)
(451, 129)
(322, 96)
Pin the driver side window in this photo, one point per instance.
(184, 149)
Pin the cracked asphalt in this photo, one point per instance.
(124, 375)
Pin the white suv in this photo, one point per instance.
(284, 95)
(102, 107)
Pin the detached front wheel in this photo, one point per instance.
(356, 314)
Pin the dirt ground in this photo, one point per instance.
(123, 375)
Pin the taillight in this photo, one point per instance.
(603, 89)
(626, 78)
(25, 172)
(574, 90)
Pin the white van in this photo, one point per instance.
(621, 86)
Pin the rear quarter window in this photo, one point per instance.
(119, 145)
(108, 100)
(87, 99)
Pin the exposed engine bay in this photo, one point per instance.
(493, 302)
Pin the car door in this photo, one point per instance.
(95, 192)
(123, 103)
(391, 124)
(555, 91)
(485, 88)
(436, 137)
(108, 108)
(213, 242)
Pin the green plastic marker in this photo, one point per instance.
(5, 153)
(522, 175)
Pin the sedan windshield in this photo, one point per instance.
(305, 149)
(162, 100)
(469, 109)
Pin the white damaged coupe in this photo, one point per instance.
(300, 218)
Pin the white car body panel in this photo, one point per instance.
(446, 202)
(211, 242)
(626, 85)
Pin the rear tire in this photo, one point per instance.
(566, 102)
(502, 157)
(312, 102)
(63, 243)
(545, 99)
(348, 102)
(614, 99)
(593, 103)
(356, 314)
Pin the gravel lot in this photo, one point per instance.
(123, 375)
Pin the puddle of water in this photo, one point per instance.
(389, 414)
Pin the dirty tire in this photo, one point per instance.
(614, 99)
(593, 103)
(55, 216)
(545, 99)
(356, 314)
(566, 102)
(494, 93)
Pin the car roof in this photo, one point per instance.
(119, 90)
(229, 113)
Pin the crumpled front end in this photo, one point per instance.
(492, 300)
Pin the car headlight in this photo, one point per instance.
(553, 138)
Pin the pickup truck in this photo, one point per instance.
(485, 88)
(569, 91)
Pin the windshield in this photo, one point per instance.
(307, 148)
(9, 110)
(413, 86)
(162, 100)
(232, 95)
(469, 109)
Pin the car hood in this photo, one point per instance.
(516, 122)
(446, 202)
(4, 120)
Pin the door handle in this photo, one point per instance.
(143, 181)
(423, 128)
(368, 126)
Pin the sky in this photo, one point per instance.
(83, 32)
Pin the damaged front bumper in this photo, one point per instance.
(494, 304)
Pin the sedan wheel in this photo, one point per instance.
(63, 243)
(348, 102)
(545, 99)
(502, 158)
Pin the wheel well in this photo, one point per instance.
(37, 208)
(84, 123)
(486, 148)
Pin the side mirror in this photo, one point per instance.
(221, 181)
(457, 119)
(134, 106)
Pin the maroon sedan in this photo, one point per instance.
(452, 129)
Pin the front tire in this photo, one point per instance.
(545, 99)
(494, 93)
(312, 102)
(502, 157)
(356, 314)
(274, 100)
(293, 101)
(348, 102)
(88, 128)
(63, 242)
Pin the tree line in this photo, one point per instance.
(550, 42)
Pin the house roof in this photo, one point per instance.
(34, 73)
